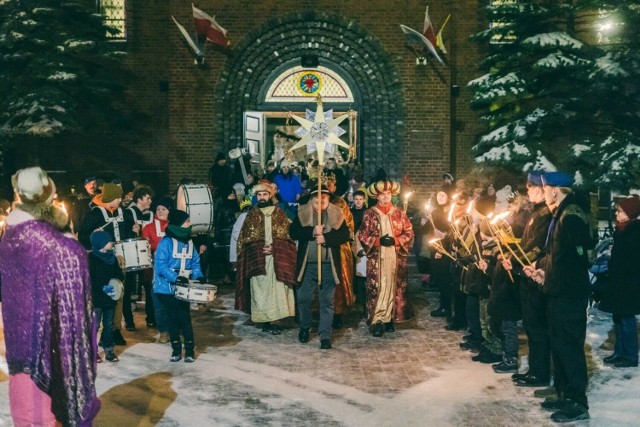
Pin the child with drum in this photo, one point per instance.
(106, 288)
(176, 262)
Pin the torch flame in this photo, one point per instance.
(500, 216)
(470, 208)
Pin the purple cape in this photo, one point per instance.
(48, 321)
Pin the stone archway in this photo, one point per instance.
(334, 39)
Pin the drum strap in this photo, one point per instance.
(142, 222)
(183, 256)
(159, 231)
(113, 220)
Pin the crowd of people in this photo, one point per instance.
(308, 243)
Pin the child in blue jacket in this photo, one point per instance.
(176, 260)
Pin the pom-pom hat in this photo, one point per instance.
(33, 185)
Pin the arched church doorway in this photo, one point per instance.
(313, 41)
(270, 132)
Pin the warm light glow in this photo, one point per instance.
(500, 216)
(450, 216)
(490, 215)
(428, 207)
(435, 241)
(408, 194)
(470, 208)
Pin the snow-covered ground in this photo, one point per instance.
(260, 379)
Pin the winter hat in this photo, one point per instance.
(323, 190)
(99, 239)
(167, 202)
(630, 206)
(264, 185)
(33, 185)
(285, 164)
(535, 179)
(178, 217)
(110, 192)
(557, 179)
(220, 156)
(89, 179)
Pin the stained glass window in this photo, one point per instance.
(298, 84)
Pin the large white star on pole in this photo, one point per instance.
(319, 131)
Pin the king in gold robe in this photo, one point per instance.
(387, 266)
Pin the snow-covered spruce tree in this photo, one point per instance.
(58, 72)
(543, 94)
(614, 94)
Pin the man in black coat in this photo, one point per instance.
(326, 239)
(532, 300)
(563, 273)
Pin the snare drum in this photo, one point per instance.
(196, 200)
(196, 292)
(136, 254)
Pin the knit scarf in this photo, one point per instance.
(182, 234)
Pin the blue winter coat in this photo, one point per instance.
(166, 267)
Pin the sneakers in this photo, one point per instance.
(552, 404)
(325, 344)
(471, 346)
(623, 362)
(111, 356)
(440, 312)
(189, 359)
(530, 381)
(175, 357)
(303, 335)
(610, 360)
(571, 411)
(455, 327)
(486, 356)
(545, 392)
(505, 367)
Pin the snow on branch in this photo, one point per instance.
(556, 38)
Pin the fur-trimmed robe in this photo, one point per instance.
(251, 260)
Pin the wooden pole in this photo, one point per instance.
(319, 196)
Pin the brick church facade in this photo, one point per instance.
(412, 119)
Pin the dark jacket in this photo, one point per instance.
(95, 220)
(622, 294)
(504, 300)
(100, 273)
(333, 239)
(565, 261)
